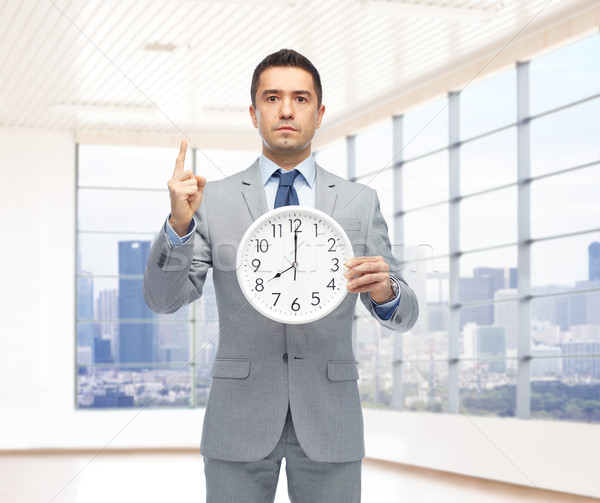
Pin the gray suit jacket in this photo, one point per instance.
(252, 381)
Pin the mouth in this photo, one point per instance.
(285, 126)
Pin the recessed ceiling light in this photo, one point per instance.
(160, 47)
(224, 109)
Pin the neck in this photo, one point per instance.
(286, 160)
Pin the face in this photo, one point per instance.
(287, 113)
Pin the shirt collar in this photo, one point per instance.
(306, 168)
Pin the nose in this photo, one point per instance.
(286, 112)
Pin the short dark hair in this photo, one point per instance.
(286, 57)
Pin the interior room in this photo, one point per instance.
(477, 122)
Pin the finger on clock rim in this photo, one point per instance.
(363, 288)
(368, 279)
(353, 261)
(366, 267)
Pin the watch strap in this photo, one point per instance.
(395, 289)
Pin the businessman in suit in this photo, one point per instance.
(278, 390)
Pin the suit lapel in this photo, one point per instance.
(253, 191)
(326, 191)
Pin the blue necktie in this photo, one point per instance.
(286, 193)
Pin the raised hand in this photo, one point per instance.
(185, 190)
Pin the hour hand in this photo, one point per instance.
(280, 273)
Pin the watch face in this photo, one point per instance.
(290, 264)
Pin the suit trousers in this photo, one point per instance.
(308, 481)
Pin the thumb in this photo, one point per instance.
(201, 182)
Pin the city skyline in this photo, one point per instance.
(488, 336)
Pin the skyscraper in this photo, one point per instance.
(85, 311)
(486, 281)
(486, 343)
(137, 342)
(594, 261)
(107, 309)
(505, 315)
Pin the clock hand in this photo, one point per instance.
(295, 251)
(295, 246)
(280, 273)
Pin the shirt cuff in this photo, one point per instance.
(384, 311)
(174, 238)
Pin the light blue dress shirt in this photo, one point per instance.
(304, 183)
(306, 189)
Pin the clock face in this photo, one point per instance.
(290, 264)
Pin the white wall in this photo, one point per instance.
(560, 456)
(36, 289)
(37, 374)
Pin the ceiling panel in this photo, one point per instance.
(83, 66)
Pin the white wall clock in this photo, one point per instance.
(290, 264)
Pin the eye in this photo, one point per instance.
(272, 99)
(302, 99)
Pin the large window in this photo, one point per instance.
(127, 356)
(492, 197)
(497, 218)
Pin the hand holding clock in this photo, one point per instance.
(369, 274)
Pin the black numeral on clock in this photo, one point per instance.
(262, 245)
(332, 244)
(259, 287)
(295, 306)
(256, 264)
(277, 227)
(315, 297)
(276, 298)
(331, 284)
(336, 264)
(295, 225)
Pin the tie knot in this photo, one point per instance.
(286, 193)
(286, 179)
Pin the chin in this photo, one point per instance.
(286, 146)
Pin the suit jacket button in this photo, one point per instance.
(285, 357)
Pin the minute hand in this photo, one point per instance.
(295, 252)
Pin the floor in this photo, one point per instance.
(153, 477)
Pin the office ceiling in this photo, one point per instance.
(173, 67)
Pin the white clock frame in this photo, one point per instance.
(288, 288)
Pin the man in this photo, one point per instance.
(278, 390)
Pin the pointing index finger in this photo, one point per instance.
(179, 163)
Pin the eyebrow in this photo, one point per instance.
(278, 91)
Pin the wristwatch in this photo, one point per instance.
(395, 290)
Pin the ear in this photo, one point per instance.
(253, 116)
(320, 113)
